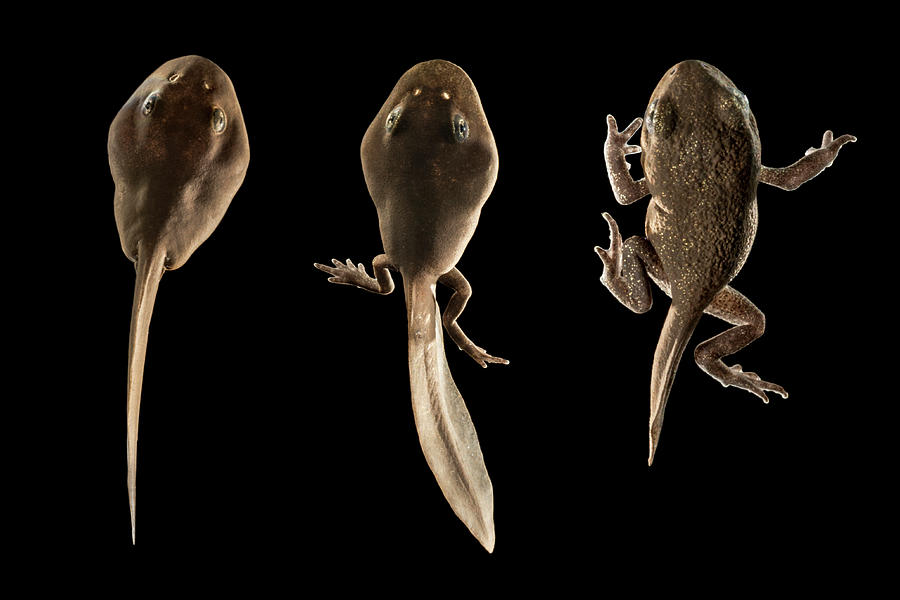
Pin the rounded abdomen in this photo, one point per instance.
(418, 237)
(703, 247)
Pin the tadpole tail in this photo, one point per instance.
(676, 332)
(150, 267)
(445, 428)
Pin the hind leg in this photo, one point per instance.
(462, 291)
(749, 323)
(347, 274)
(626, 267)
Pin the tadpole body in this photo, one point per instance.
(178, 152)
(430, 163)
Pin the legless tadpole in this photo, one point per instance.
(178, 152)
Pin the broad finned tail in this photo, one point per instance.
(150, 266)
(676, 333)
(445, 428)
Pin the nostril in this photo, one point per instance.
(174, 77)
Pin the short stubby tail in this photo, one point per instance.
(676, 332)
(445, 428)
(150, 267)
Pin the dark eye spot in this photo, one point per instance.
(661, 118)
(218, 120)
(392, 119)
(149, 104)
(460, 128)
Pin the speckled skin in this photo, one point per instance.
(701, 159)
(701, 163)
(178, 152)
(428, 183)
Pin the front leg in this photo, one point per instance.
(347, 274)
(462, 291)
(750, 323)
(815, 161)
(625, 189)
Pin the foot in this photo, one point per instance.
(830, 146)
(612, 258)
(615, 149)
(480, 356)
(348, 274)
(751, 382)
(617, 142)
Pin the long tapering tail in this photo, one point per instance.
(150, 266)
(445, 428)
(676, 333)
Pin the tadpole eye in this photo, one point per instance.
(392, 119)
(460, 128)
(218, 120)
(149, 104)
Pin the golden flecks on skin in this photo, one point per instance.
(417, 91)
(702, 157)
(445, 95)
(206, 85)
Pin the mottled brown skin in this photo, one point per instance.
(429, 176)
(178, 152)
(701, 160)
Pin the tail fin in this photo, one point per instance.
(150, 267)
(676, 333)
(445, 428)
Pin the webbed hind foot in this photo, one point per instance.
(348, 274)
(480, 356)
(747, 381)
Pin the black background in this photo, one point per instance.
(276, 432)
